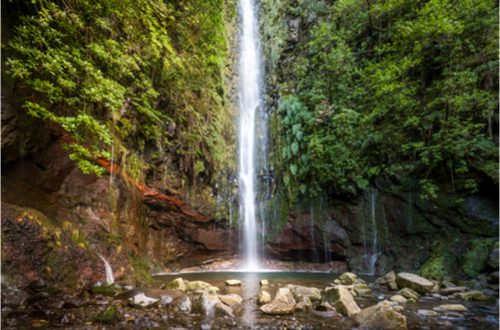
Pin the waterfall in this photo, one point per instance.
(109, 272)
(371, 253)
(249, 102)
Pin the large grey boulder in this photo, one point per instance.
(381, 316)
(414, 282)
(314, 294)
(347, 278)
(388, 280)
(339, 297)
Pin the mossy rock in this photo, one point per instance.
(107, 290)
(435, 268)
(108, 316)
(476, 258)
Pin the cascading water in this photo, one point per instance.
(109, 272)
(249, 102)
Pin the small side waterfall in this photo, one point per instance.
(109, 271)
(370, 236)
(249, 103)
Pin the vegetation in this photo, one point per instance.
(404, 89)
(141, 82)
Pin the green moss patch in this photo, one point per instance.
(476, 257)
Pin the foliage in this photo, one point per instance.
(406, 89)
(476, 258)
(123, 78)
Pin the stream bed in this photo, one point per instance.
(84, 310)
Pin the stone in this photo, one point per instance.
(166, 299)
(347, 278)
(283, 303)
(177, 284)
(409, 294)
(264, 298)
(325, 306)
(223, 309)
(314, 294)
(426, 313)
(450, 308)
(304, 303)
(142, 300)
(451, 290)
(231, 299)
(447, 284)
(414, 282)
(14, 297)
(399, 299)
(197, 285)
(211, 290)
(493, 261)
(381, 316)
(340, 298)
(362, 290)
(233, 282)
(264, 282)
(388, 280)
(208, 302)
(473, 296)
(185, 305)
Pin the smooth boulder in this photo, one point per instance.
(381, 316)
(264, 298)
(283, 303)
(450, 308)
(299, 291)
(388, 280)
(414, 282)
(339, 297)
(233, 282)
(231, 299)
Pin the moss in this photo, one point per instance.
(444, 261)
(107, 290)
(434, 268)
(109, 315)
(476, 257)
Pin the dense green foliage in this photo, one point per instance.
(405, 89)
(138, 81)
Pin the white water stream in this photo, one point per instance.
(249, 101)
(109, 272)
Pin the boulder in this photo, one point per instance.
(362, 290)
(233, 282)
(325, 307)
(283, 303)
(141, 300)
(299, 291)
(450, 308)
(264, 298)
(177, 284)
(264, 282)
(208, 302)
(347, 278)
(381, 316)
(231, 299)
(414, 282)
(409, 294)
(473, 296)
(398, 298)
(166, 299)
(197, 285)
(340, 298)
(388, 280)
(426, 313)
(220, 308)
(304, 303)
(451, 290)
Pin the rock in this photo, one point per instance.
(264, 297)
(283, 303)
(314, 294)
(451, 290)
(142, 300)
(220, 308)
(231, 299)
(197, 285)
(362, 290)
(210, 290)
(14, 297)
(388, 280)
(450, 308)
(233, 282)
(473, 296)
(409, 294)
(166, 299)
(398, 298)
(381, 316)
(325, 306)
(304, 303)
(177, 284)
(185, 305)
(426, 313)
(447, 284)
(264, 282)
(347, 278)
(414, 282)
(208, 302)
(340, 297)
